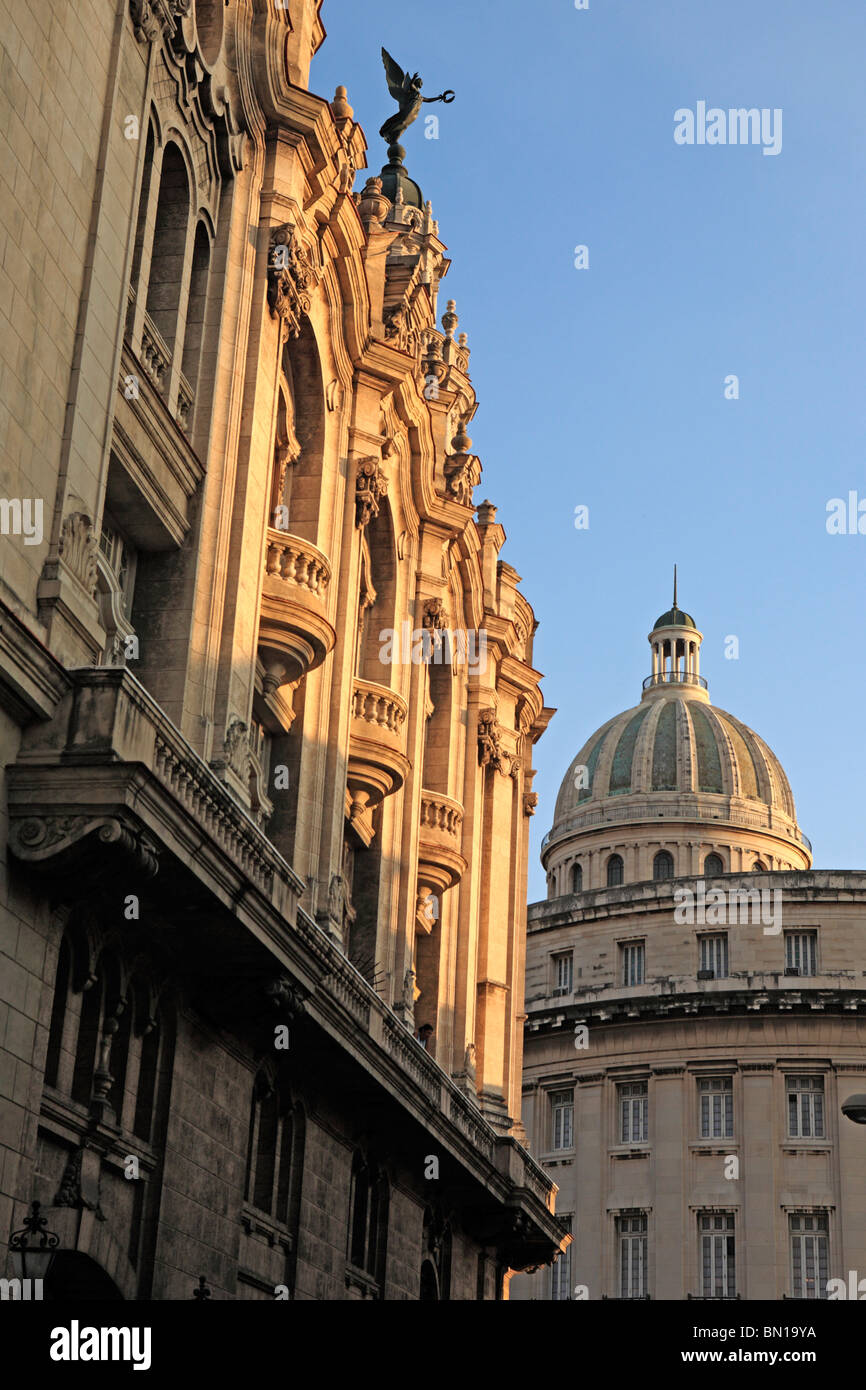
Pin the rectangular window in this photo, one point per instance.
(714, 955)
(632, 962)
(809, 1255)
(562, 1119)
(718, 1268)
(633, 1112)
(716, 1095)
(563, 973)
(805, 1107)
(631, 1233)
(560, 1277)
(801, 951)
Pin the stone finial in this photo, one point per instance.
(433, 355)
(486, 513)
(450, 319)
(372, 204)
(461, 443)
(462, 469)
(340, 108)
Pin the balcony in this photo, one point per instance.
(295, 635)
(377, 759)
(110, 787)
(150, 494)
(674, 678)
(440, 863)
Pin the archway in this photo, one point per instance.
(429, 1283)
(74, 1277)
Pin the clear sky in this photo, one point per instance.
(605, 387)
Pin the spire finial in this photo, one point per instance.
(675, 586)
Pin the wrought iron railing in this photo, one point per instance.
(674, 678)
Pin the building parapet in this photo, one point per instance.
(798, 885)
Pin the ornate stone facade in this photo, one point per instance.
(263, 915)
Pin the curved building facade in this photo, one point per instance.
(695, 1005)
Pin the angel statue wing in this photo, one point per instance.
(398, 80)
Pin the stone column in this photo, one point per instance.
(590, 1185)
(762, 1121)
(666, 1224)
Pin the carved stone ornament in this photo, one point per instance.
(399, 331)
(40, 839)
(490, 751)
(236, 746)
(151, 18)
(530, 801)
(69, 1191)
(291, 277)
(435, 615)
(370, 487)
(79, 550)
(285, 997)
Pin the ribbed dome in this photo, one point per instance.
(671, 784)
(675, 617)
(675, 744)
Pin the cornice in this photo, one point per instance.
(32, 681)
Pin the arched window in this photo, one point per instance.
(663, 865)
(378, 597)
(759, 867)
(148, 1070)
(86, 1050)
(102, 1034)
(170, 229)
(62, 982)
(429, 1290)
(119, 1061)
(436, 1256)
(274, 1152)
(141, 224)
(614, 871)
(576, 878)
(368, 1219)
(194, 330)
(713, 866)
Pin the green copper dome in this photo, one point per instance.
(675, 617)
(675, 745)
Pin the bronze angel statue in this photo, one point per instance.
(406, 91)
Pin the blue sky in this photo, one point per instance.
(605, 387)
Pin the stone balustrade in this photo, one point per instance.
(440, 813)
(376, 704)
(297, 562)
(155, 353)
(185, 399)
